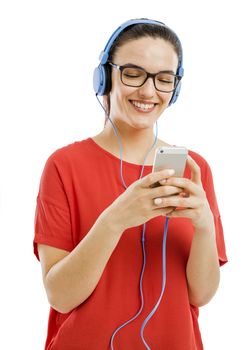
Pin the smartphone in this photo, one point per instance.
(173, 157)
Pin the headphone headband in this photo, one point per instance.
(102, 73)
(104, 55)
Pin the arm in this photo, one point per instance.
(70, 278)
(202, 268)
(203, 272)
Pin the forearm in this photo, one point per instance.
(70, 281)
(73, 277)
(202, 270)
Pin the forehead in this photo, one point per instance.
(153, 54)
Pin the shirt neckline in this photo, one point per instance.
(112, 156)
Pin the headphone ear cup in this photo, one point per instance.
(98, 80)
(175, 94)
(102, 79)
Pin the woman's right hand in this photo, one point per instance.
(138, 203)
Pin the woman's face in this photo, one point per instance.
(140, 107)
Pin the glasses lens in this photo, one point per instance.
(165, 82)
(133, 76)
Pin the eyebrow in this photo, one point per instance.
(135, 66)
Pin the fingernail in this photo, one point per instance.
(162, 182)
(157, 201)
(171, 172)
(184, 194)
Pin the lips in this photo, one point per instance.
(143, 106)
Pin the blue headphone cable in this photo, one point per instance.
(143, 250)
(163, 285)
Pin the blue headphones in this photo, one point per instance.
(102, 73)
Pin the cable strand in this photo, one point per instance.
(143, 245)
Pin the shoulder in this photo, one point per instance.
(206, 173)
(199, 159)
(69, 152)
(66, 159)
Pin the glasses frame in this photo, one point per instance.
(148, 75)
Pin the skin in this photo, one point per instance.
(135, 128)
(69, 278)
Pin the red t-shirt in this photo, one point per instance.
(78, 182)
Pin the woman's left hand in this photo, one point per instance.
(192, 201)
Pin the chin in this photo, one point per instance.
(143, 121)
(142, 124)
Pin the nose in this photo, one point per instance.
(148, 89)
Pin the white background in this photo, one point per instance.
(49, 50)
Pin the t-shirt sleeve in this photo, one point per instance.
(210, 193)
(52, 215)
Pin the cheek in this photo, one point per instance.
(120, 96)
(165, 99)
(116, 102)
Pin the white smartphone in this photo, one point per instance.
(173, 157)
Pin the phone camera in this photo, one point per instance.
(161, 151)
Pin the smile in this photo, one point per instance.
(144, 107)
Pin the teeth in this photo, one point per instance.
(143, 105)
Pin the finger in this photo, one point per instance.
(186, 184)
(163, 211)
(195, 170)
(164, 191)
(184, 194)
(182, 213)
(153, 178)
(174, 201)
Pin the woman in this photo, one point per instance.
(100, 223)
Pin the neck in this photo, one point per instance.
(135, 143)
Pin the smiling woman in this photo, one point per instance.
(100, 228)
(131, 99)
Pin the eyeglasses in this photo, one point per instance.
(135, 76)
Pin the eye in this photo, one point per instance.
(132, 72)
(165, 78)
